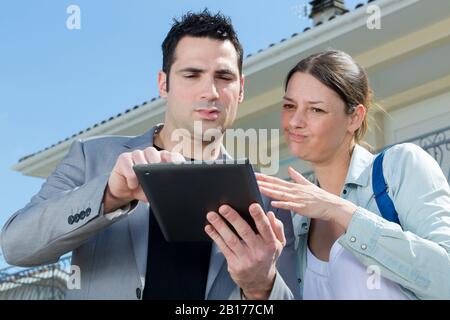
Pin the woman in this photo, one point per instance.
(346, 249)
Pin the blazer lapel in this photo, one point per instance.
(217, 259)
(215, 265)
(138, 222)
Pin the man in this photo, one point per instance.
(93, 205)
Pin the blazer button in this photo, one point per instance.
(82, 215)
(76, 217)
(70, 220)
(88, 212)
(138, 293)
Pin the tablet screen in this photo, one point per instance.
(180, 195)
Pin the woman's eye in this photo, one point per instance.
(316, 110)
(288, 106)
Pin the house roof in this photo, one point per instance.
(271, 45)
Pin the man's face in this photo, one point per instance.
(204, 85)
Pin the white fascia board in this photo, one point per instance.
(319, 35)
(141, 115)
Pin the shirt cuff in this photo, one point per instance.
(363, 232)
(125, 210)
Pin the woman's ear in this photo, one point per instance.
(357, 118)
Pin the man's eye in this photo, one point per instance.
(316, 110)
(224, 77)
(288, 106)
(190, 76)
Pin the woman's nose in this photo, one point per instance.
(298, 119)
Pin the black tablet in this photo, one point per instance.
(181, 195)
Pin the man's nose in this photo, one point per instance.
(209, 90)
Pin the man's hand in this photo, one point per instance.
(252, 261)
(123, 185)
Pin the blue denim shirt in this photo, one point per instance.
(418, 256)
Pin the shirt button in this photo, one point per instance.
(138, 293)
(363, 246)
(345, 191)
(352, 239)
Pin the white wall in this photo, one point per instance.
(422, 117)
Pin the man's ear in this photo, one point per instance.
(241, 92)
(357, 118)
(162, 84)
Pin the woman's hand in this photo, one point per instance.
(306, 199)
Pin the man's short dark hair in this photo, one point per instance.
(200, 25)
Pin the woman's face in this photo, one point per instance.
(314, 121)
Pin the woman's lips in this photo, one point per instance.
(297, 137)
(208, 114)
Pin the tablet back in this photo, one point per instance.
(181, 195)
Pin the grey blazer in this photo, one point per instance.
(67, 215)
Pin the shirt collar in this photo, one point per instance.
(360, 166)
(146, 140)
(358, 174)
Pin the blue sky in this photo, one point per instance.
(55, 82)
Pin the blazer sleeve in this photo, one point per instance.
(66, 212)
(287, 262)
(280, 291)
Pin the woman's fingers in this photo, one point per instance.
(274, 180)
(297, 177)
(277, 187)
(288, 205)
(285, 192)
(278, 195)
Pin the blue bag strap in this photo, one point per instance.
(379, 186)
